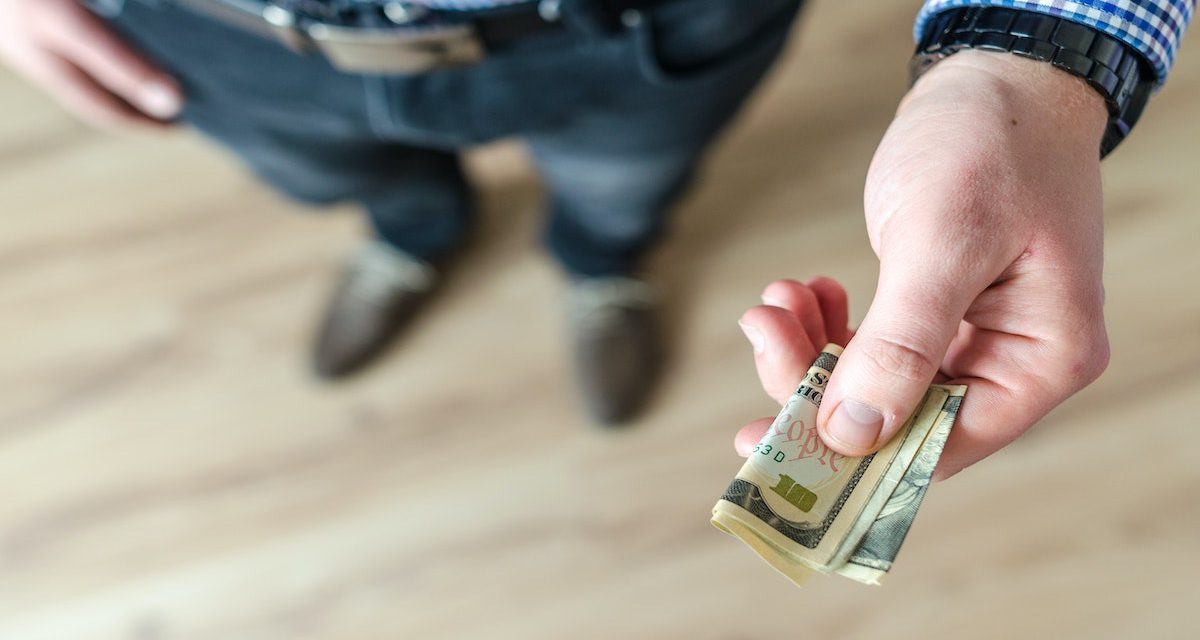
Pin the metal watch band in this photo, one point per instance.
(1120, 74)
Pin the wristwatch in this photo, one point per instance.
(1120, 74)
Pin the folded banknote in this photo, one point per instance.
(803, 507)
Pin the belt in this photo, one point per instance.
(415, 38)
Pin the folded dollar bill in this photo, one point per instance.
(804, 508)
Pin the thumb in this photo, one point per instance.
(892, 359)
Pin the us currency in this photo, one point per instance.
(805, 508)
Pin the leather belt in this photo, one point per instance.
(417, 40)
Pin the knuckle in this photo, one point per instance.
(1086, 351)
(1092, 358)
(900, 359)
(1083, 357)
(828, 287)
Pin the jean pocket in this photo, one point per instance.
(690, 42)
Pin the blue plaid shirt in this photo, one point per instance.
(1152, 27)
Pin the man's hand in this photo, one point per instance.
(64, 49)
(983, 204)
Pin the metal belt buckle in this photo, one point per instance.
(401, 50)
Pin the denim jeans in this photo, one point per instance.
(616, 120)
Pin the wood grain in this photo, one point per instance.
(171, 470)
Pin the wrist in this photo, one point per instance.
(998, 88)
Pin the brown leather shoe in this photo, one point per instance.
(617, 349)
(381, 290)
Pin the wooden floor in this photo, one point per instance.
(170, 470)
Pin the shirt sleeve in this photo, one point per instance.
(1152, 27)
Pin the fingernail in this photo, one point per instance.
(160, 101)
(855, 424)
(772, 301)
(755, 336)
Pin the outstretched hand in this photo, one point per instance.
(983, 204)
